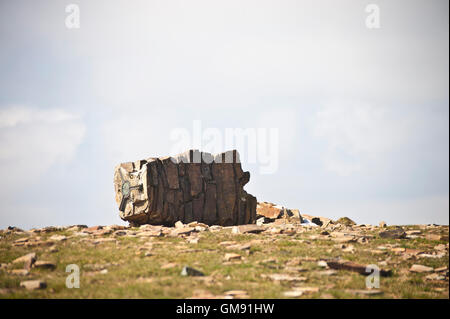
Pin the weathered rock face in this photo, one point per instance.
(192, 186)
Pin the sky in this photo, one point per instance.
(362, 114)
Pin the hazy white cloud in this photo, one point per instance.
(356, 133)
(32, 140)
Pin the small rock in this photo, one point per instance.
(396, 233)
(168, 265)
(413, 232)
(44, 264)
(237, 294)
(58, 238)
(239, 247)
(19, 272)
(33, 284)
(28, 258)
(420, 268)
(53, 249)
(103, 240)
(329, 272)
(436, 237)
(21, 240)
(293, 293)
(260, 221)
(345, 221)
(232, 257)
(307, 289)
(189, 271)
(193, 240)
(182, 231)
(435, 277)
(120, 232)
(383, 224)
(179, 224)
(247, 229)
(441, 269)
(322, 263)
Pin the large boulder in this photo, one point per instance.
(192, 186)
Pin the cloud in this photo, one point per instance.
(33, 140)
(356, 133)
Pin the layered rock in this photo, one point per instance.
(192, 186)
(271, 211)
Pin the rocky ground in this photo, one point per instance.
(281, 258)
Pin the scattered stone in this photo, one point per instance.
(435, 277)
(269, 210)
(44, 265)
(420, 268)
(237, 294)
(21, 240)
(260, 221)
(28, 260)
(293, 293)
(103, 240)
(436, 237)
(182, 231)
(189, 271)
(58, 238)
(151, 233)
(193, 240)
(168, 266)
(239, 247)
(345, 239)
(322, 263)
(396, 233)
(307, 289)
(33, 284)
(19, 272)
(80, 234)
(441, 269)
(232, 257)
(53, 249)
(413, 232)
(246, 229)
(120, 233)
(329, 272)
(92, 229)
(383, 224)
(352, 266)
(215, 228)
(179, 224)
(345, 221)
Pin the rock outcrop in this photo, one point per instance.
(192, 186)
